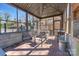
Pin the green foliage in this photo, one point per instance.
(7, 17)
(31, 24)
(0, 18)
(0, 23)
(77, 49)
(0, 26)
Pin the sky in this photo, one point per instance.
(5, 8)
(12, 11)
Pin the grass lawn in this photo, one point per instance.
(77, 48)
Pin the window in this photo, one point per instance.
(50, 20)
(21, 20)
(2, 30)
(21, 16)
(57, 25)
(8, 18)
(57, 18)
(32, 23)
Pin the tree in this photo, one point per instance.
(7, 17)
(0, 23)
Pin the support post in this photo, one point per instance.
(71, 16)
(53, 25)
(40, 24)
(61, 23)
(37, 25)
(5, 27)
(26, 21)
(67, 20)
(17, 19)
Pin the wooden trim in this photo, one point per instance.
(61, 23)
(17, 18)
(53, 26)
(26, 21)
(51, 16)
(40, 24)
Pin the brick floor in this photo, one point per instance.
(48, 48)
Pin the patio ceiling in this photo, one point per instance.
(42, 10)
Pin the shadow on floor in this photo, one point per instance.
(32, 44)
(28, 49)
(53, 50)
(49, 41)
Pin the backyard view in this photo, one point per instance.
(8, 18)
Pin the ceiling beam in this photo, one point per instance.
(41, 9)
(51, 16)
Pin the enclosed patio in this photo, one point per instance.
(37, 29)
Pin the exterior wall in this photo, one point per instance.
(7, 39)
(75, 8)
(76, 28)
(26, 36)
